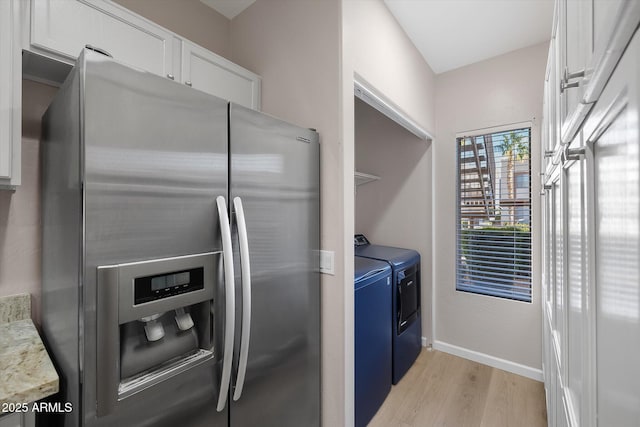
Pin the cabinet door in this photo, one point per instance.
(557, 289)
(11, 420)
(208, 72)
(18, 419)
(10, 95)
(547, 361)
(605, 14)
(576, 279)
(61, 28)
(614, 132)
(551, 131)
(575, 35)
(549, 258)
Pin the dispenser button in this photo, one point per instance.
(153, 330)
(183, 319)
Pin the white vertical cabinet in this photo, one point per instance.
(10, 94)
(613, 132)
(62, 28)
(592, 216)
(205, 71)
(595, 35)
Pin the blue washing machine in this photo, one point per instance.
(372, 337)
(406, 336)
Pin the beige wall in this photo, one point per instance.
(295, 46)
(20, 223)
(396, 209)
(191, 19)
(499, 91)
(387, 59)
(378, 51)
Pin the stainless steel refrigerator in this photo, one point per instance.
(180, 256)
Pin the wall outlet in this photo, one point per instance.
(327, 262)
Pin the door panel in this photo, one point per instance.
(65, 27)
(615, 137)
(205, 71)
(155, 159)
(275, 170)
(575, 290)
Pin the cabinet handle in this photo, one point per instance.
(573, 153)
(170, 76)
(570, 76)
(564, 86)
(97, 49)
(188, 83)
(549, 153)
(564, 83)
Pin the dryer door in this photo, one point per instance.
(408, 297)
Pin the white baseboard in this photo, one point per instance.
(424, 341)
(485, 359)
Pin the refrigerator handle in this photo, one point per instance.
(246, 296)
(230, 303)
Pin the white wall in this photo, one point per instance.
(20, 216)
(395, 210)
(499, 91)
(295, 46)
(377, 49)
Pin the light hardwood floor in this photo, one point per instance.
(444, 390)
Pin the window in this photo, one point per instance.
(522, 181)
(494, 214)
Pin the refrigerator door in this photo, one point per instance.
(155, 159)
(275, 172)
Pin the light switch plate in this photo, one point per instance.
(327, 262)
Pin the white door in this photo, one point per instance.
(614, 133)
(63, 28)
(208, 72)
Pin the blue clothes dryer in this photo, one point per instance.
(372, 337)
(406, 336)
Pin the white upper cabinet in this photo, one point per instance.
(575, 52)
(58, 30)
(594, 35)
(62, 28)
(208, 72)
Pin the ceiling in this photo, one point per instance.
(453, 33)
(229, 8)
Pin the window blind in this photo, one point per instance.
(494, 214)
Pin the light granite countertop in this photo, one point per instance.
(26, 372)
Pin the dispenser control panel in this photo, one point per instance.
(152, 288)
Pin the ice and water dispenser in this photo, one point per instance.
(154, 321)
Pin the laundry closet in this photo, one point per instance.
(393, 225)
